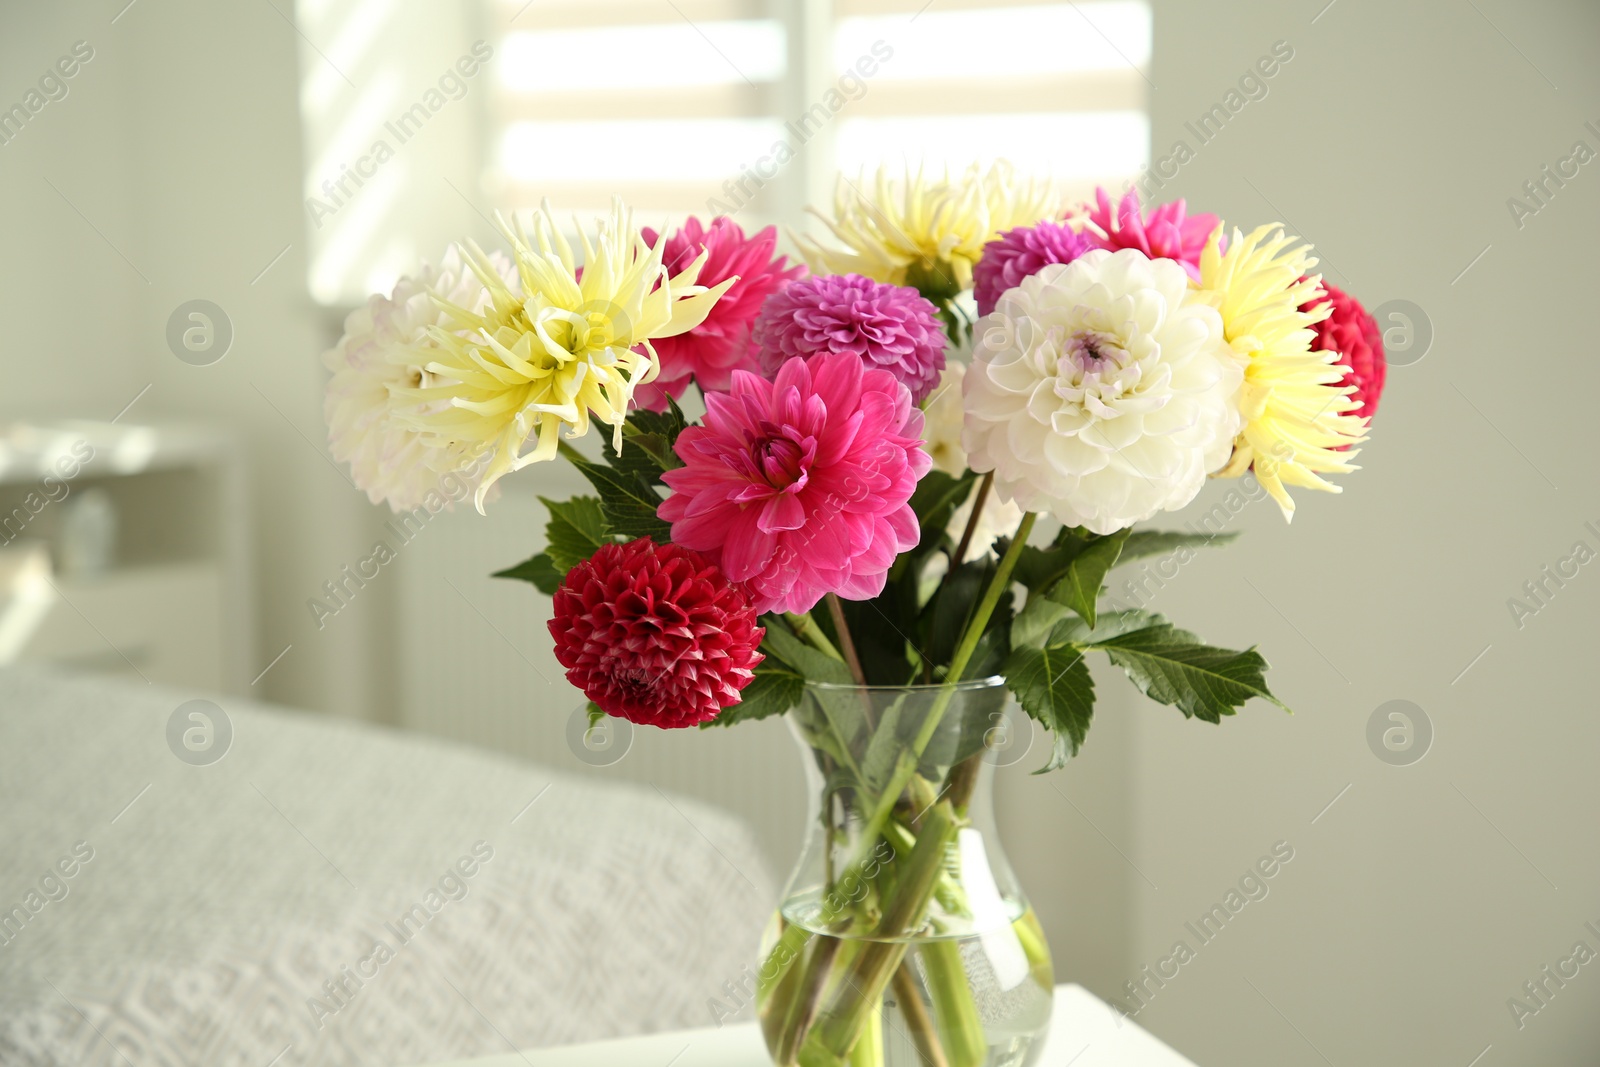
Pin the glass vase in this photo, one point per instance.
(903, 938)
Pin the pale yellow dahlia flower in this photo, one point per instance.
(571, 345)
(1297, 421)
(925, 233)
(381, 353)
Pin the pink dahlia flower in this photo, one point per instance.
(721, 344)
(887, 326)
(1167, 232)
(1352, 332)
(1021, 252)
(798, 487)
(655, 634)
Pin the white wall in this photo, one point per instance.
(1418, 904)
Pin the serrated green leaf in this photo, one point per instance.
(1173, 666)
(1143, 543)
(773, 691)
(627, 500)
(1071, 630)
(538, 570)
(577, 527)
(1040, 568)
(647, 439)
(1053, 686)
(1035, 622)
(1079, 588)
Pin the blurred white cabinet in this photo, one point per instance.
(173, 603)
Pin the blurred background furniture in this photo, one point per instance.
(147, 551)
(228, 912)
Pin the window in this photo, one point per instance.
(744, 107)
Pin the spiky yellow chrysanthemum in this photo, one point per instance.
(1296, 411)
(556, 349)
(922, 232)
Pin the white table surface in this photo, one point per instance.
(1084, 1032)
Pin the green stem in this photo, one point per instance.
(847, 644)
(864, 978)
(907, 764)
(869, 975)
(979, 498)
(924, 1032)
(803, 1008)
(808, 631)
(868, 1050)
(960, 1028)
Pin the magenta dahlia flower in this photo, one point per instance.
(1352, 332)
(655, 634)
(711, 351)
(887, 326)
(1021, 252)
(798, 487)
(1167, 232)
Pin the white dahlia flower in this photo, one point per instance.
(383, 350)
(1101, 391)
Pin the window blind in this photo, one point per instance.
(742, 107)
(749, 107)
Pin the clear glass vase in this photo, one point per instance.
(903, 938)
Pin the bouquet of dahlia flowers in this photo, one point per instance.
(864, 495)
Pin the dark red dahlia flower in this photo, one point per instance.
(1353, 333)
(655, 634)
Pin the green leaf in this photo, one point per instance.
(1053, 686)
(647, 439)
(880, 630)
(800, 657)
(1173, 666)
(1079, 588)
(628, 501)
(944, 620)
(989, 654)
(773, 691)
(538, 570)
(1110, 624)
(1040, 568)
(1036, 621)
(576, 528)
(1142, 543)
(936, 499)
(883, 750)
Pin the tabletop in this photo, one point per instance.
(1084, 1032)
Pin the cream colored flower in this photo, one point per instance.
(941, 421)
(1101, 391)
(921, 232)
(570, 344)
(1297, 421)
(941, 436)
(391, 461)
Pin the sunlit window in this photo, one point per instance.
(692, 107)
